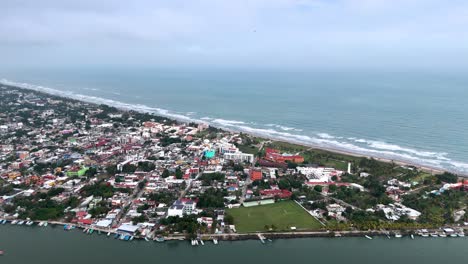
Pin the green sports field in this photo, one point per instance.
(282, 215)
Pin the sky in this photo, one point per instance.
(237, 33)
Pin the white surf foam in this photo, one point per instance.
(375, 148)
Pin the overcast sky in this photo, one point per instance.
(240, 33)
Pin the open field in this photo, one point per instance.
(282, 215)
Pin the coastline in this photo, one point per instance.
(178, 118)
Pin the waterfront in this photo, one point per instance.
(36, 245)
(413, 117)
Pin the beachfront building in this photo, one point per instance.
(319, 174)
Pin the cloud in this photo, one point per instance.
(243, 31)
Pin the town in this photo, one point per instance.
(136, 175)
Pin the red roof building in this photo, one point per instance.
(256, 175)
(276, 156)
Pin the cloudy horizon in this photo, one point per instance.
(256, 33)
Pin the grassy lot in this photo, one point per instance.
(282, 215)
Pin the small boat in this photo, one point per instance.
(46, 224)
(99, 232)
(368, 237)
(461, 234)
(434, 235)
(21, 222)
(398, 235)
(131, 238)
(442, 235)
(159, 239)
(40, 224)
(4, 222)
(85, 230)
(412, 236)
(65, 227)
(201, 242)
(424, 234)
(127, 237)
(146, 239)
(122, 237)
(453, 235)
(108, 233)
(29, 223)
(2, 253)
(215, 241)
(14, 222)
(117, 235)
(91, 231)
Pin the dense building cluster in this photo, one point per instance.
(99, 167)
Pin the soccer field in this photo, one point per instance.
(282, 215)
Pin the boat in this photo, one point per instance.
(127, 237)
(159, 239)
(412, 236)
(1, 252)
(453, 235)
(434, 235)
(65, 227)
(201, 242)
(14, 222)
(29, 223)
(4, 222)
(117, 235)
(215, 241)
(146, 239)
(40, 224)
(91, 231)
(108, 233)
(397, 235)
(46, 224)
(461, 234)
(368, 237)
(21, 222)
(442, 235)
(85, 230)
(131, 238)
(122, 237)
(99, 232)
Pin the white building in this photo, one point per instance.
(239, 157)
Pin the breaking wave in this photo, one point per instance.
(374, 148)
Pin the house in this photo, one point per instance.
(256, 174)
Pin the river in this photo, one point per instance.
(52, 245)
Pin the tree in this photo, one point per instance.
(229, 219)
(318, 188)
(178, 173)
(165, 173)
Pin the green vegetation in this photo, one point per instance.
(278, 217)
(208, 178)
(212, 198)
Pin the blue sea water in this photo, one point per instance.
(417, 117)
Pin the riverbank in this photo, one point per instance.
(369, 234)
(127, 107)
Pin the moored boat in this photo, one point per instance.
(368, 237)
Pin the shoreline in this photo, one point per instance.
(257, 235)
(423, 167)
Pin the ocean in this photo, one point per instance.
(416, 117)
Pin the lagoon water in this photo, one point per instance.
(53, 245)
(419, 117)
